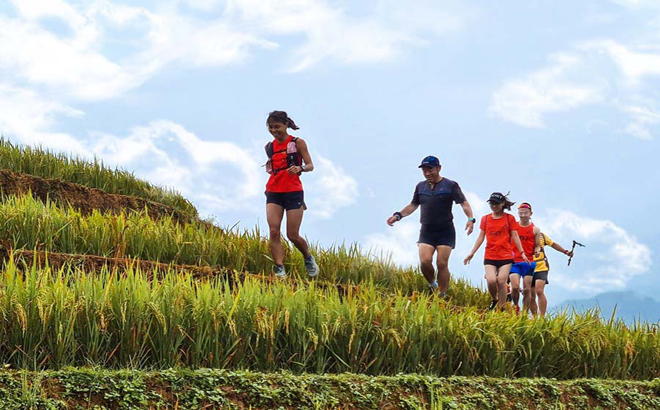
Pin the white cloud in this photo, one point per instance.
(69, 65)
(332, 34)
(215, 175)
(634, 65)
(644, 116)
(93, 62)
(611, 260)
(637, 4)
(525, 101)
(30, 118)
(174, 37)
(331, 189)
(601, 72)
(78, 66)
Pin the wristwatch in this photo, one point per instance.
(398, 215)
(473, 220)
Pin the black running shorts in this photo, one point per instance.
(498, 263)
(287, 200)
(543, 275)
(438, 237)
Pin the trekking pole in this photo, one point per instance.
(572, 249)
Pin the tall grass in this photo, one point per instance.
(32, 224)
(70, 318)
(48, 164)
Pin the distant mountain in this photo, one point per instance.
(630, 306)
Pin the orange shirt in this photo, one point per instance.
(498, 236)
(526, 234)
(282, 181)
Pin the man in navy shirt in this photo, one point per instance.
(436, 195)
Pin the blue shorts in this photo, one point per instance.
(523, 268)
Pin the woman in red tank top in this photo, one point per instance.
(288, 158)
(499, 230)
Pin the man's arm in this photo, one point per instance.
(407, 210)
(467, 209)
(561, 249)
(537, 240)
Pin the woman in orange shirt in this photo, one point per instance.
(288, 158)
(499, 230)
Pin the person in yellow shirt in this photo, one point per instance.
(540, 278)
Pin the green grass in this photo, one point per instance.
(50, 320)
(29, 223)
(187, 389)
(94, 174)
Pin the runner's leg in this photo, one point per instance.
(274, 216)
(533, 306)
(502, 276)
(426, 261)
(442, 260)
(294, 219)
(528, 297)
(539, 286)
(515, 288)
(491, 281)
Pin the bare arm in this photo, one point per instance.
(475, 248)
(407, 210)
(301, 145)
(537, 240)
(467, 209)
(559, 248)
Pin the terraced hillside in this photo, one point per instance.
(109, 281)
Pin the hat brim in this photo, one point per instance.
(496, 201)
(428, 166)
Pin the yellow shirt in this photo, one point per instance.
(542, 263)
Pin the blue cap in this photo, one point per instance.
(430, 161)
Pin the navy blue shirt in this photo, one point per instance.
(435, 203)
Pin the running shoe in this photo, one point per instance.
(280, 272)
(311, 266)
(492, 305)
(432, 287)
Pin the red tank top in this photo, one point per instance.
(282, 181)
(526, 234)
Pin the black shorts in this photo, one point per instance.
(438, 237)
(543, 275)
(498, 263)
(287, 200)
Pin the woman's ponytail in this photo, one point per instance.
(281, 116)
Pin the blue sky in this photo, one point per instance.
(557, 102)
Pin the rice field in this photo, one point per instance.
(384, 324)
(45, 163)
(31, 224)
(51, 320)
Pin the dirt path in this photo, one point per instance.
(81, 197)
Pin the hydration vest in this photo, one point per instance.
(292, 156)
